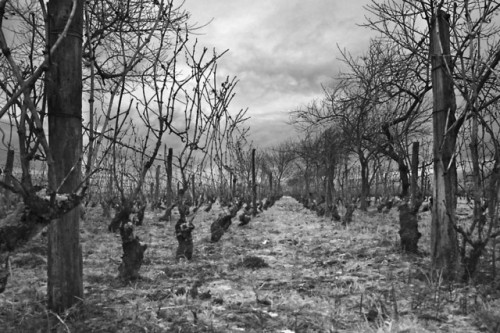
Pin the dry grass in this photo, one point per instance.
(287, 271)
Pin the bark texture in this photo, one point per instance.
(444, 242)
(408, 228)
(64, 100)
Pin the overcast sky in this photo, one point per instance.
(281, 51)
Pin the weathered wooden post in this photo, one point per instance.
(414, 171)
(231, 187)
(254, 186)
(64, 100)
(444, 243)
(157, 187)
(193, 190)
(152, 191)
(270, 184)
(423, 177)
(169, 181)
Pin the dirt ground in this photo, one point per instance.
(287, 271)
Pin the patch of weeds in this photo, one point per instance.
(305, 322)
(27, 260)
(488, 320)
(94, 229)
(431, 298)
(385, 242)
(39, 248)
(247, 318)
(250, 262)
(99, 278)
(159, 295)
(17, 321)
(329, 263)
(206, 268)
(306, 288)
(173, 273)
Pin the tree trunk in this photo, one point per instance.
(16, 229)
(9, 166)
(408, 228)
(223, 222)
(408, 219)
(183, 230)
(133, 253)
(477, 187)
(133, 250)
(183, 233)
(64, 99)
(5, 199)
(405, 180)
(444, 243)
(347, 218)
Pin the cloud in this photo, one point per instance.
(282, 51)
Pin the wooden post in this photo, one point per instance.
(423, 177)
(270, 184)
(233, 185)
(110, 181)
(414, 172)
(64, 100)
(169, 180)
(193, 187)
(157, 187)
(254, 186)
(231, 188)
(444, 243)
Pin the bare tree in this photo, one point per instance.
(57, 201)
(132, 72)
(395, 85)
(470, 63)
(280, 162)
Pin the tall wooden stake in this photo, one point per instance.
(64, 100)
(444, 243)
(193, 190)
(254, 186)
(157, 186)
(270, 184)
(414, 173)
(169, 180)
